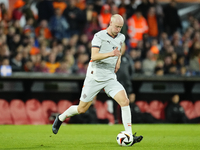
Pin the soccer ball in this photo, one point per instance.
(124, 139)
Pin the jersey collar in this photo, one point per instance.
(111, 35)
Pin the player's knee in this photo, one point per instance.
(81, 110)
(124, 102)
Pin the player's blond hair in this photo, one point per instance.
(116, 16)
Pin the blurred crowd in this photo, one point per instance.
(58, 38)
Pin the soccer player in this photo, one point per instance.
(105, 62)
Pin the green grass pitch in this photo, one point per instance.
(98, 137)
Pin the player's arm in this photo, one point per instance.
(95, 55)
(123, 48)
(118, 64)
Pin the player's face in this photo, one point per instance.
(116, 27)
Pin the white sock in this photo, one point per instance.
(126, 118)
(71, 111)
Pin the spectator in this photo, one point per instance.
(17, 12)
(4, 12)
(98, 6)
(104, 16)
(16, 62)
(63, 68)
(152, 22)
(25, 54)
(135, 54)
(194, 62)
(28, 32)
(65, 42)
(130, 8)
(138, 67)
(81, 4)
(5, 61)
(41, 67)
(88, 12)
(159, 15)
(18, 28)
(58, 25)
(159, 71)
(183, 71)
(43, 29)
(44, 50)
(52, 65)
(80, 61)
(172, 70)
(4, 51)
(174, 112)
(172, 20)
(167, 49)
(196, 25)
(149, 63)
(83, 40)
(178, 48)
(70, 60)
(122, 8)
(45, 10)
(92, 26)
(137, 26)
(29, 15)
(34, 50)
(114, 9)
(11, 32)
(60, 52)
(16, 42)
(59, 4)
(144, 7)
(28, 66)
(181, 62)
(167, 64)
(80, 49)
(174, 58)
(74, 17)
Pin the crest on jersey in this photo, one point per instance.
(120, 43)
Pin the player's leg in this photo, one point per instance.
(89, 90)
(75, 109)
(122, 99)
(71, 111)
(118, 93)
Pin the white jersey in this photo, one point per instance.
(102, 70)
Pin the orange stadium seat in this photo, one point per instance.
(143, 105)
(18, 112)
(48, 107)
(5, 115)
(34, 111)
(102, 111)
(188, 106)
(197, 107)
(62, 106)
(156, 108)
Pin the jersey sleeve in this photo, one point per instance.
(96, 41)
(123, 37)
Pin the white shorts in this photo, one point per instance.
(92, 87)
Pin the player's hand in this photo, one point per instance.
(116, 52)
